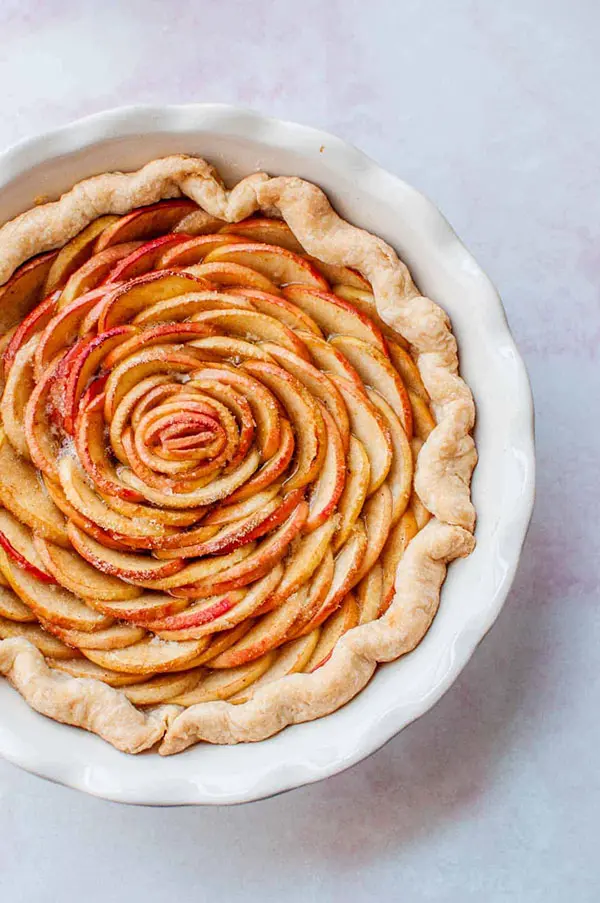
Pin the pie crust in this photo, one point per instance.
(443, 466)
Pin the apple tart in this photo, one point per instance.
(235, 456)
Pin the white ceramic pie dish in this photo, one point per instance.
(240, 142)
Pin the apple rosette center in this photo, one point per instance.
(207, 453)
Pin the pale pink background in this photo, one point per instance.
(491, 109)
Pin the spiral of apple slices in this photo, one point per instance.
(206, 458)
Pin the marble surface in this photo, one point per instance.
(492, 110)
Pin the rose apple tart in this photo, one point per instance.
(234, 462)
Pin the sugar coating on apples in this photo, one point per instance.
(207, 457)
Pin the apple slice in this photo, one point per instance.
(264, 230)
(75, 574)
(278, 307)
(22, 562)
(4, 342)
(331, 361)
(335, 316)
(207, 540)
(165, 333)
(161, 689)
(218, 642)
(350, 503)
(317, 591)
(268, 633)
(344, 619)
(369, 594)
(394, 549)
(337, 274)
(57, 495)
(277, 264)
(232, 536)
(148, 656)
(39, 423)
(24, 289)
(128, 300)
(400, 476)
(203, 569)
(329, 485)
(33, 633)
(146, 222)
(51, 603)
(346, 569)
(93, 454)
(302, 562)
(408, 370)
(142, 365)
(223, 684)
(144, 258)
(81, 495)
(257, 561)
(200, 614)
(198, 222)
(424, 420)
(62, 329)
(17, 391)
(264, 407)
(305, 415)
(223, 273)
(242, 612)
(227, 514)
(214, 491)
(33, 323)
(24, 496)
(127, 566)
(94, 272)
(76, 252)
(140, 611)
(292, 658)
(192, 250)
(140, 391)
(168, 518)
(12, 607)
(84, 364)
(317, 383)
(377, 518)
(364, 302)
(250, 324)
(181, 307)
(370, 428)
(376, 370)
(227, 349)
(272, 471)
(16, 541)
(81, 667)
(422, 515)
(117, 636)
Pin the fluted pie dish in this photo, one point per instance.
(235, 456)
(235, 461)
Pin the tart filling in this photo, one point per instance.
(235, 456)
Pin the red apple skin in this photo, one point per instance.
(23, 563)
(142, 260)
(146, 222)
(76, 365)
(23, 291)
(39, 317)
(185, 620)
